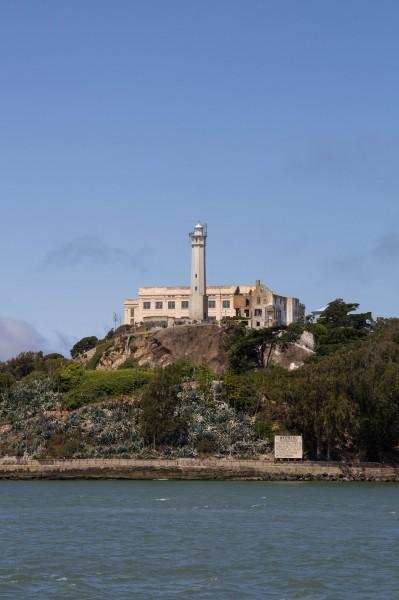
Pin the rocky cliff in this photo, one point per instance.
(197, 344)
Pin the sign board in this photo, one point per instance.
(288, 446)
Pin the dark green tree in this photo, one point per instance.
(255, 349)
(339, 314)
(83, 345)
(160, 421)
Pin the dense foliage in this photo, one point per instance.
(35, 421)
(34, 365)
(347, 402)
(344, 400)
(80, 386)
(84, 345)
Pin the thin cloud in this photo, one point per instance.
(358, 157)
(19, 336)
(387, 247)
(63, 343)
(362, 266)
(90, 250)
(353, 267)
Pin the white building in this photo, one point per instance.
(256, 304)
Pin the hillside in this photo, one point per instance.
(195, 344)
(194, 390)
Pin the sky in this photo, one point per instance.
(122, 123)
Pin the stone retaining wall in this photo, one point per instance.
(189, 468)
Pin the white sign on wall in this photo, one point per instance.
(288, 446)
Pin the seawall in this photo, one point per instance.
(192, 468)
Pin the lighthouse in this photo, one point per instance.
(198, 299)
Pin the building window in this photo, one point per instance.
(211, 303)
(226, 304)
(195, 288)
(132, 312)
(257, 324)
(258, 312)
(211, 318)
(246, 301)
(158, 304)
(184, 304)
(171, 304)
(258, 300)
(146, 305)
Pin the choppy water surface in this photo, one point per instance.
(165, 539)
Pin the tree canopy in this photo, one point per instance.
(83, 345)
(340, 314)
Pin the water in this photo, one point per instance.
(165, 539)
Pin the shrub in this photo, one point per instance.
(206, 445)
(61, 445)
(34, 376)
(101, 348)
(6, 381)
(130, 363)
(95, 386)
(68, 377)
(160, 422)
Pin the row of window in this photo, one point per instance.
(212, 303)
(171, 304)
(184, 304)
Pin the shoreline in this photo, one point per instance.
(208, 469)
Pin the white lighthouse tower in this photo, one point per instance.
(198, 299)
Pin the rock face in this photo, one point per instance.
(294, 355)
(197, 344)
(201, 344)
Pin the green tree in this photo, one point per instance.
(160, 421)
(347, 403)
(254, 350)
(23, 364)
(68, 377)
(339, 314)
(83, 345)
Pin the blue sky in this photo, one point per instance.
(122, 123)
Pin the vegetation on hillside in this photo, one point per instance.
(344, 400)
(175, 414)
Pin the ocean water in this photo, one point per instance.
(170, 539)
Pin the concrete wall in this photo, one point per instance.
(210, 469)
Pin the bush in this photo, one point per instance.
(6, 381)
(160, 422)
(130, 363)
(35, 376)
(95, 386)
(101, 348)
(61, 445)
(68, 377)
(83, 345)
(263, 426)
(206, 445)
